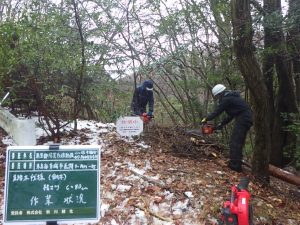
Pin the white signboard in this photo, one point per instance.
(129, 126)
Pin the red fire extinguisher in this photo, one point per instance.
(238, 211)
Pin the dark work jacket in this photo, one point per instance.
(235, 107)
(141, 98)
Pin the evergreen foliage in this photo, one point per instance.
(82, 59)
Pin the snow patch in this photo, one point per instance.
(103, 209)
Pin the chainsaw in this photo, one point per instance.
(207, 128)
(146, 118)
(237, 211)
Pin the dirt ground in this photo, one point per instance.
(181, 164)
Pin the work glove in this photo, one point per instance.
(150, 114)
(219, 127)
(204, 120)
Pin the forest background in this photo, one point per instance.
(74, 59)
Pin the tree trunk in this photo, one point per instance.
(250, 69)
(285, 102)
(296, 71)
(268, 71)
(286, 105)
(293, 42)
(78, 91)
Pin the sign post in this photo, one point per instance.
(129, 126)
(44, 184)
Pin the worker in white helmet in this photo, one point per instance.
(236, 108)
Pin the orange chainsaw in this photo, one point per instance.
(207, 128)
(146, 118)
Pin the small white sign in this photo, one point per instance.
(129, 126)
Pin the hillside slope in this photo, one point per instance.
(165, 177)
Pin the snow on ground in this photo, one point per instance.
(124, 179)
(142, 183)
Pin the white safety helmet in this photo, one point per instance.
(219, 88)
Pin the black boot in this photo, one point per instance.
(235, 165)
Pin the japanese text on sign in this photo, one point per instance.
(129, 126)
(43, 185)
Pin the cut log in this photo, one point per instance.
(281, 174)
(284, 175)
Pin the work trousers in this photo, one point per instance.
(237, 141)
(140, 110)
